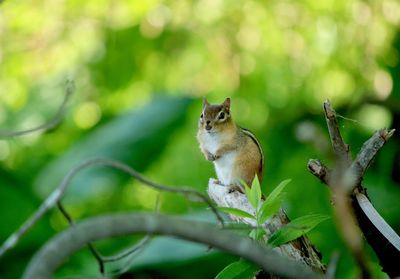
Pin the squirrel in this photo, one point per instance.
(236, 153)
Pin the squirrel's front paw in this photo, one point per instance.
(210, 157)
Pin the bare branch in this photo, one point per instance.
(52, 123)
(57, 194)
(340, 148)
(56, 250)
(367, 153)
(345, 183)
(92, 249)
(128, 251)
(317, 168)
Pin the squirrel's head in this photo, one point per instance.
(214, 118)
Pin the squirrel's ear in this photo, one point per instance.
(205, 102)
(227, 104)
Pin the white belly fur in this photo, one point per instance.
(211, 142)
(224, 165)
(224, 168)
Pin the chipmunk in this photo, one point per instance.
(235, 152)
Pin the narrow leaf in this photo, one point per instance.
(273, 202)
(295, 229)
(236, 211)
(278, 189)
(268, 209)
(240, 270)
(255, 193)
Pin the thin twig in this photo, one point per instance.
(56, 250)
(57, 194)
(92, 249)
(98, 256)
(138, 246)
(52, 123)
(340, 148)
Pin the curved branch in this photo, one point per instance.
(52, 123)
(368, 151)
(57, 194)
(56, 250)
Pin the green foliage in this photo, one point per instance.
(254, 193)
(273, 202)
(137, 65)
(240, 270)
(268, 208)
(295, 229)
(136, 138)
(236, 211)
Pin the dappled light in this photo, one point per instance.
(140, 70)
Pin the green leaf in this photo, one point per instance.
(268, 209)
(239, 270)
(246, 188)
(278, 190)
(136, 138)
(253, 234)
(273, 202)
(236, 211)
(255, 193)
(257, 234)
(295, 229)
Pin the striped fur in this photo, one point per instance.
(247, 132)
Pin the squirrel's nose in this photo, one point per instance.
(208, 122)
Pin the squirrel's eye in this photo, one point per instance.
(221, 115)
(201, 116)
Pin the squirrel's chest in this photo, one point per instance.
(211, 142)
(224, 167)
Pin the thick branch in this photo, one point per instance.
(56, 251)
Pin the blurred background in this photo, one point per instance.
(141, 69)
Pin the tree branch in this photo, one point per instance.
(52, 123)
(345, 180)
(57, 194)
(317, 168)
(367, 153)
(56, 250)
(340, 148)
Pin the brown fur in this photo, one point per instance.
(231, 138)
